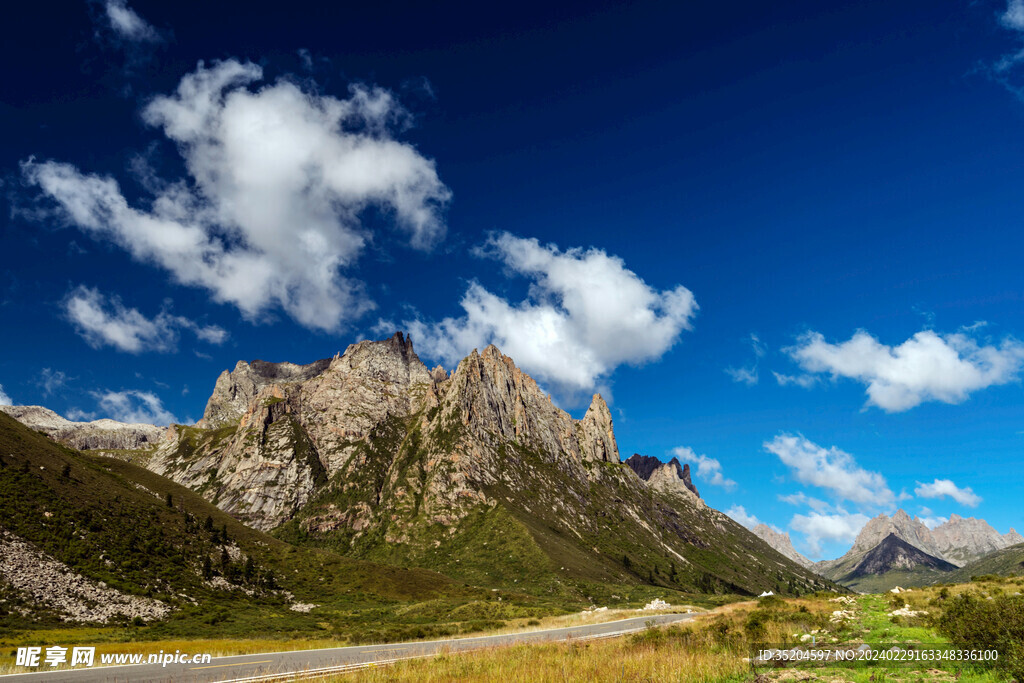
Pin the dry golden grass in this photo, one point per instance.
(105, 639)
(618, 659)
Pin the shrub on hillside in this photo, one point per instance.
(984, 624)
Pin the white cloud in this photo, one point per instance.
(746, 376)
(818, 528)
(102, 322)
(127, 24)
(805, 381)
(5, 400)
(830, 469)
(942, 488)
(134, 406)
(801, 498)
(271, 212)
(78, 415)
(51, 380)
(932, 522)
(708, 469)
(749, 375)
(739, 514)
(926, 367)
(585, 315)
(1013, 17)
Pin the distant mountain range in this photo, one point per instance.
(475, 474)
(782, 543)
(901, 550)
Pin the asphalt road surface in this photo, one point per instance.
(270, 665)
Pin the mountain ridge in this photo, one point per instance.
(476, 474)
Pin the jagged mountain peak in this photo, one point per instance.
(671, 476)
(499, 403)
(372, 452)
(600, 443)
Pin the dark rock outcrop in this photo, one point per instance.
(669, 475)
(893, 554)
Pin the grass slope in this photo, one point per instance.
(716, 647)
(539, 530)
(1005, 562)
(111, 521)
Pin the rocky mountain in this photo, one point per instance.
(895, 554)
(92, 539)
(782, 543)
(957, 542)
(664, 476)
(96, 435)
(476, 474)
(902, 525)
(964, 539)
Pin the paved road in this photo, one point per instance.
(260, 665)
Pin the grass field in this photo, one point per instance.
(716, 647)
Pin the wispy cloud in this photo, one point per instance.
(708, 469)
(104, 321)
(831, 469)
(5, 400)
(800, 499)
(51, 381)
(127, 24)
(134, 407)
(586, 314)
(749, 374)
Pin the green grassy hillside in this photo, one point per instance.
(537, 528)
(1005, 562)
(111, 521)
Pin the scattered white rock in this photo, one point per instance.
(57, 586)
(302, 607)
(843, 600)
(840, 616)
(905, 611)
(656, 603)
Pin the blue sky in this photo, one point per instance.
(786, 239)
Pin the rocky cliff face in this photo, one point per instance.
(96, 435)
(374, 454)
(299, 424)
(664, 476)
(911, 530)
(782, 543)
(236, 389)
(963, 539)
